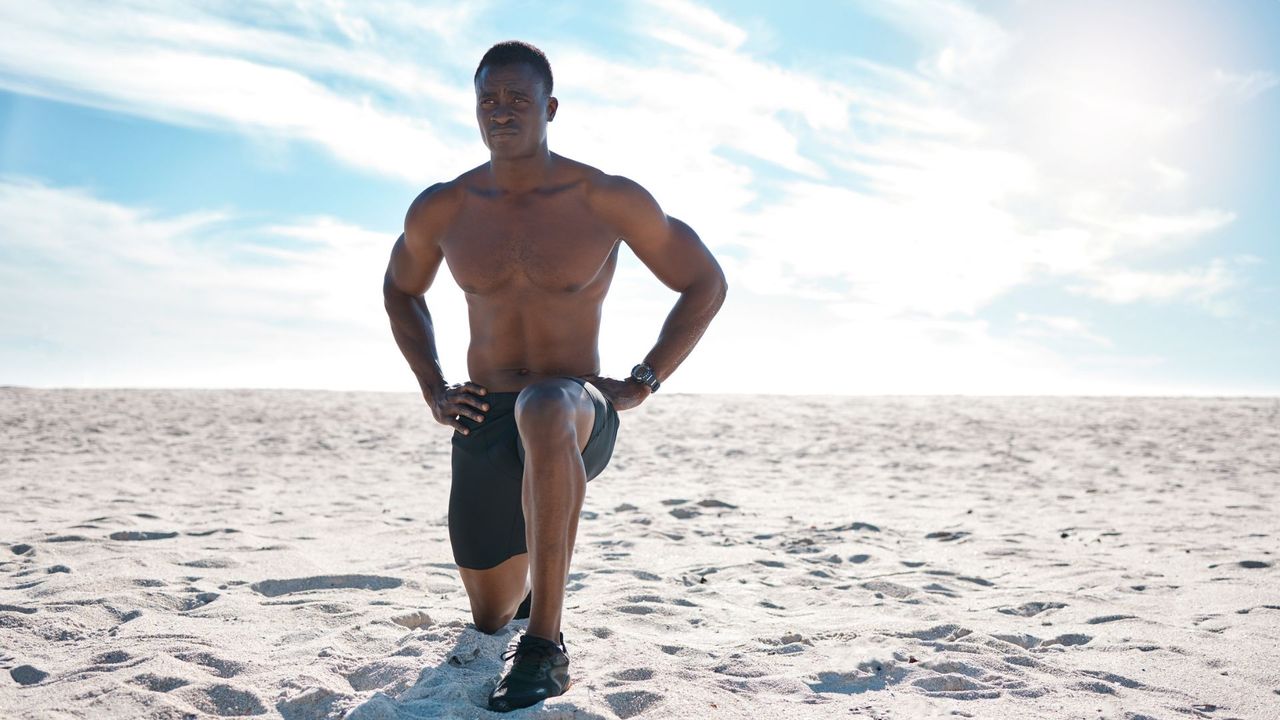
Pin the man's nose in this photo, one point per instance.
(501, 115)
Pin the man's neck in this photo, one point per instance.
(519, 175)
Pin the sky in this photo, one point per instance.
(906, 196)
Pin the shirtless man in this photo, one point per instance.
(532, 239)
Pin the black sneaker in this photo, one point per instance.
(522, 612)
(539, 670)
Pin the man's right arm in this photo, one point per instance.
(415, 260)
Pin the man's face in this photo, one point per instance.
(512, 109)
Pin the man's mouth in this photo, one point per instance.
(503, 131)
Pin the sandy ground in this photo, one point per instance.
(174, 554)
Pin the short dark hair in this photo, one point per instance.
(514, 52)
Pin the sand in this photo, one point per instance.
(176, 554)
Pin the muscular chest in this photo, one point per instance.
(551, 245)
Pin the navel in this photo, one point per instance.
(522, 371)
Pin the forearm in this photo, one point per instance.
(685, 324)
(415, 336)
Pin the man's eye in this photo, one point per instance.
(521, 101)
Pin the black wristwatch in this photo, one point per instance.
(644, 374)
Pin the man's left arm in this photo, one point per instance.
(677, 257)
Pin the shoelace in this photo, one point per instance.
(532, 656)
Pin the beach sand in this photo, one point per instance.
(175, 554)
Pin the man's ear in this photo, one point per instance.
(552, 105)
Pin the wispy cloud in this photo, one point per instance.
(1059, 327)
(157, 299)
(1246, 85)
(903, 201)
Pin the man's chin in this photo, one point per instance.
(498, 152)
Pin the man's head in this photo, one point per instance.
(513, 99)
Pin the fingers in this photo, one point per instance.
(452, 421)
(471, 400)
(467, 400)
(463, 400)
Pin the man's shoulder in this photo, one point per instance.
(611, 194)
(438, 202)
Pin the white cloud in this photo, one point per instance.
(1246, 86)
(916, 196)
(1058, 327)
(1202, 284)
(959, 41)
(210, 72)
(124, 296)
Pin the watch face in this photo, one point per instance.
(642, 372)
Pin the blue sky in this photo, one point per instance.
(908, 196)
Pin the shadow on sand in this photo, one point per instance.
(459, 687)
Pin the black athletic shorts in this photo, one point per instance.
(486, 520)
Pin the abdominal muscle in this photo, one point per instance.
(511, 350)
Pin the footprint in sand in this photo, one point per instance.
(276, 588)
(1022, 640)
(949, 684)
(215, 563)
(227, 701)
(1031, 609)
(22, 549)
(313, 703)
(413, 620)
(1109, 619)
(856, 527)
(884, 587)
(1068, 640)
(634, 674)
(1115, 679)
(948, 633)
(637, 609)
(212, 663)
(869, 675)
(630, 703)
(196, 601)
(158, 683)
(380, 674)
(27, 675)
(202, 533)
(17, 608)
(141, 535)
(940, 589)
(111, 657)
(946, 535)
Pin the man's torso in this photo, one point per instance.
(535, 268)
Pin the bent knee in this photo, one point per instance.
(547, 405)
(490, 624)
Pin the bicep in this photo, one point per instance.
(413, 265)
(671, 250)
